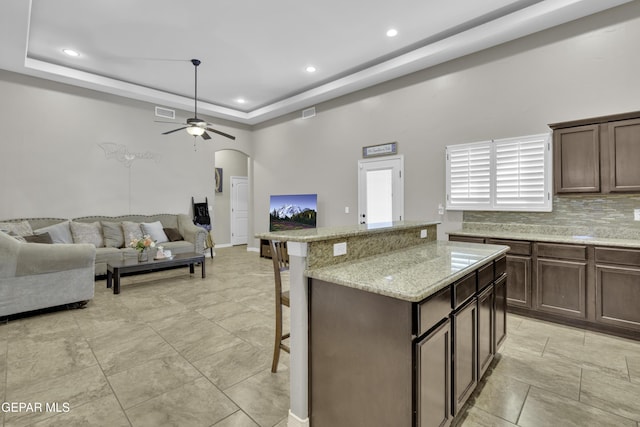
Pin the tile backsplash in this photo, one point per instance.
(584, 211)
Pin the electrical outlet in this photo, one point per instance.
(346, 209)
(423, 234)
(440, 209)
(636, 214)
(340, 249)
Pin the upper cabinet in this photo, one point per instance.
(597, 155)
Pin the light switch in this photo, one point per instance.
(346, 209)
(636, 214)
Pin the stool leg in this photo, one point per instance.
(278, 338)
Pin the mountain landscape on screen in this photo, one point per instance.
(292, 212)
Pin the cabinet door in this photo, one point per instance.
(623, 138)
(485, 329)
(433, 378)
(500, 297)
(561, 287)
(618, 296)
(519, 281)
(465, 353)
(576, 159)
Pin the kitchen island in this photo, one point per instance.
(377, 317)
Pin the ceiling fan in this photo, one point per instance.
(196, 126)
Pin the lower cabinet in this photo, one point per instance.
(433, 373)
(561, 287)
(500, 317)
(618, 287)
(465, 353)
(486, 328)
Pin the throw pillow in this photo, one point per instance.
(60, 233)
(113, 235)
(39, 238)
(20, 239)
(20, 228)
(131, 231)
(173, 234)
(155, 231)
(87, 233)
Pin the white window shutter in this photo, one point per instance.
(520, 172)
(513, 174)
(469, 175)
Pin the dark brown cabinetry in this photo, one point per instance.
(380, 361)
(433, 373)
(518, 271)
(597, 155)
(465, 353)
(576, 159)
(561, 280)
(581, 285)
(618, 287)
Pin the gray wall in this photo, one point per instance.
(582, 69)
(52, 166)
(233, 163)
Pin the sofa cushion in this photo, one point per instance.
(60, 233)
(113, 235)
(20, 239)
(19, 228)
(39, 238)
(155, 231)
(131, 231)
(173, 234)
(87, 233)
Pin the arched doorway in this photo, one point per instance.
(230, 166)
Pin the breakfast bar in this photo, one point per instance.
(377, 315)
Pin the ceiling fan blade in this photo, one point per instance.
(222, 133)
(205, 136)
(175, 130)
(164, 121)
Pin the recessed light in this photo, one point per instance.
(392, 32)
(241, 100)
(70, 52)
(311, 69)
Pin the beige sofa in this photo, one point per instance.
(101, 231)
(35, 276)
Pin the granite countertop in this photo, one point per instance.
(328, 233)
(547, 234)
(411, 274)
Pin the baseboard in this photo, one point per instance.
(250, 249)
(223, 245)
(294, 421)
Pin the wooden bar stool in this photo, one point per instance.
(280, 263)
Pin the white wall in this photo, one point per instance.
(52, 166)
(582, 69)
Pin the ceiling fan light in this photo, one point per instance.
(195, 130)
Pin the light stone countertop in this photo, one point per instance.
(411, 274)
(328, 233)
(542, 235)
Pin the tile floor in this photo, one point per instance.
(177, 350)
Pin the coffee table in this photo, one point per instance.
(116, 268)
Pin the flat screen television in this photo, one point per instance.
(292, 211)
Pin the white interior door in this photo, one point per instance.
(380, 190)
(239, 209)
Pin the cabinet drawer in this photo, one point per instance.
(485, 276)
(618, 256)
(468, 239)
(553, 250)
(433, 310)
(463, 289)
(518, 247)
